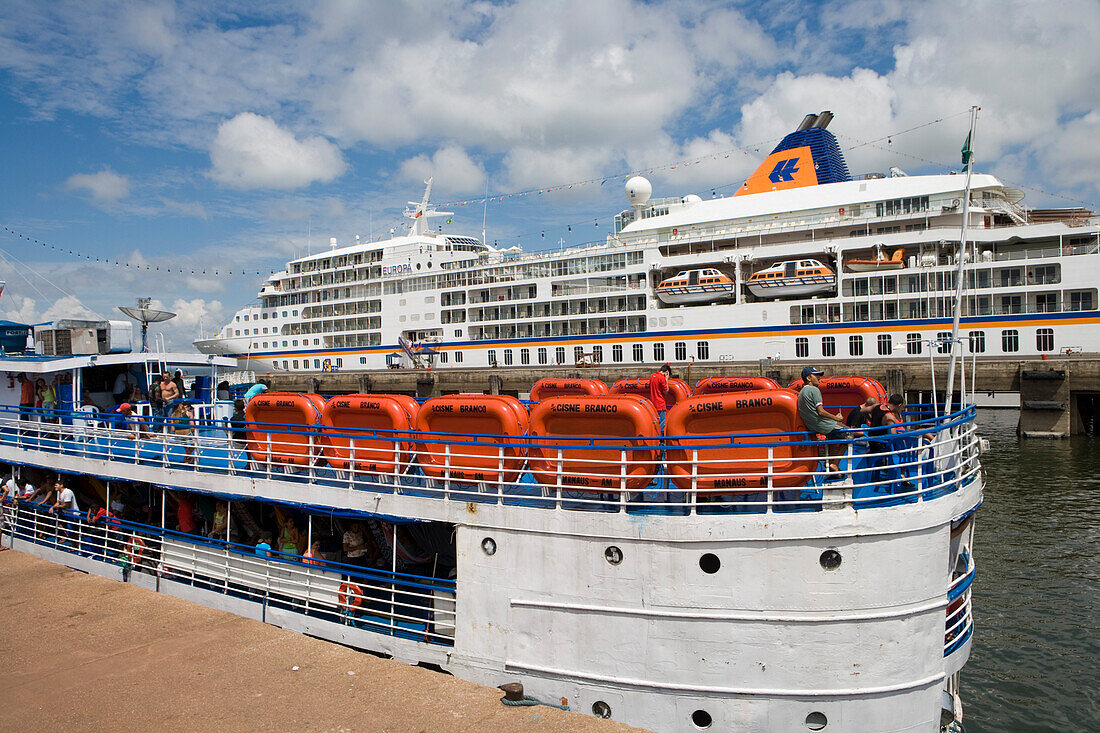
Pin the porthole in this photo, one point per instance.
(613, 555)
(701, 719)
(830, 559)
(489, 545)
(418, 265)
(601, 709)
(709, 563)
(816, 721)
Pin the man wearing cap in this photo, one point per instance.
(816, 418)
(125, 412)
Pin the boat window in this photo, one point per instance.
(943, 342)
(559, 355)
(913, 344)
(1010, 340)
(1044, 339)
(828, 346)
(702, 350)
(977, 342)
(855, 345)
(658, 352)
(597, 354)
(316, 363)
(492, 357)
(542, 355)
(681, 351)
(789, 269)
(801, 347)
(639, 354)
(295, 363)
(617, 352)
(525, 356)
(578, 353)
(885, 344)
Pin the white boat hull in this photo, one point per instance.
(783, 290)
(695, 295)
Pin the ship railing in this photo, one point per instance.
(786, 472)
(410, 606)
(960, 620)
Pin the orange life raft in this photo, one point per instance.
(730, 385)
(553, 387)
(846, 392)
(678, 388)
(286, 430)
(350, 432)
(473, 458)
(738, 464)
(558, 458)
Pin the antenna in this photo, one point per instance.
(485, 211)
(145, 315)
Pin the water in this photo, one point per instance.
(1033, 666)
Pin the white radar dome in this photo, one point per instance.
(638, 190)
(692, 198)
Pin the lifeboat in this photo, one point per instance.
(551, 387)
(488, 447)
(677, 387)
(285, 430)
(363, 415)
(592, 465)
(756, 420)
(729, 385)
(792, 278)
(846, 392)
(692, 287)
(880, 262)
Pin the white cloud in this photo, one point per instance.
(105, 187)
(252, 151)
(453, 170)
(27, 310)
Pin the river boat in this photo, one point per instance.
(691, 287)
(792, 278)
(610, 564)
(1031, 280)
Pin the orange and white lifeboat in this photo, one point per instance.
(368, 432)
(678, 389)
(283, 427)
(739, 430)
(553, 387)
(792, 278)
(477, 438)
(878, 262)
(577, 443)
(692, 287)
(730, 385)
(846, 392)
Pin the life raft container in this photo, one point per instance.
(731, 385)
(350, 596)
(494, 452)
(580, 443)
(552, 387)
(283, 427)
(846, 392)
(369, 429)
(739, 430)
(678, 389)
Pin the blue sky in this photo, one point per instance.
(216, 136)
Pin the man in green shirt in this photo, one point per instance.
(816, 418)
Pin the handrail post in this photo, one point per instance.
(557, 488)
(622, 481)
(770, 495)
(446, 470)
(694, 481)
(351, 462)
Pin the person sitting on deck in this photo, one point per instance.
(816, 418)
(313, 554)
(263, 547)
(221, 522)
(289, 536)
(182, 419)
(861, 414)
(126, 419)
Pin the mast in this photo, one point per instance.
(968, 159)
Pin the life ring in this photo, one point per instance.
(675, 232)
(350, 596)
(842, 211)
(955, 202)
(134, 551)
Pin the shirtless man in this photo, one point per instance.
(169, 393)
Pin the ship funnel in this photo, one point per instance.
(807, 122)
(824, 119)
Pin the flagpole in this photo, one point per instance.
(968, 159)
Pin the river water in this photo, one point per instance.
(1035, 663)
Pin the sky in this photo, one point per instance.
(216, 141)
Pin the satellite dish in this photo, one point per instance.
(145, 315)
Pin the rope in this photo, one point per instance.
(529, 701)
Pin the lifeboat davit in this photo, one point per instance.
(792, 278)
(369, 431)
(577, 443)
(880, 262)
(692, 287)
(677, 387)
(730, 385)
(488, 446)
(552, 387)
(286, 430)
(846, 392)
(759, 422)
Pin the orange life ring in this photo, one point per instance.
(134, 551)
(842, 211)
(350, 596)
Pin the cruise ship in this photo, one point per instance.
(804, 261)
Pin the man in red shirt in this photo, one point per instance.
(26, 397)
(658, 388)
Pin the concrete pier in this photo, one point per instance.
(1051, 406)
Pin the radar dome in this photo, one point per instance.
(692, 198)
(638, 190)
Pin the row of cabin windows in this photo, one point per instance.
(294, 363)
(637, 353)
(915, 342)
